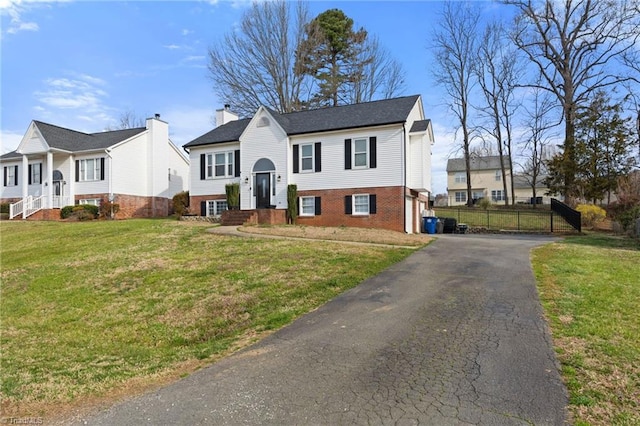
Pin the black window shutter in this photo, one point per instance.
(373, 152)
(296, 158)
(347, 204)
(236, 159)
(347, 154)
(40, 174)
(298, 205)
(15, 173)
(318, 207)
(5, 176)
(77, 170)
(318, 155)
(203, 208)
(102, 168)
(372, 204)
(30, 169)
(203, 166)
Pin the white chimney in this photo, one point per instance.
(224, 116)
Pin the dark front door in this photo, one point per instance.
(263, 190)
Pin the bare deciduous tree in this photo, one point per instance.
(254, 65)
(572, 42)
(380, 76)
(497, 70)
(537, 146)
(455, 50)
(128, 120)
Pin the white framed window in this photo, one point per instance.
(91, 201)
(360, 204)
(498, 175)
(306, 158)
(461, 197)
(477, 195)
(89, 169)
(219, 165)
(224, 164)
(360, 153)
(10, 175)
(307, 206)
(497, 195)
(460, 177)
(35, 173)
(216, 207)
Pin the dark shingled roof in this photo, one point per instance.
(74, 141)
(420, 126)
(376, 113)
(520, 181)
(477, 163)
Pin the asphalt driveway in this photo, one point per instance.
(453, 335)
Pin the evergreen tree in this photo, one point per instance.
(331, 53)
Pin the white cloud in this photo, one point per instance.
(10, 140)
(172, 46)
(186, 32)
(77, 98)
(15, 10)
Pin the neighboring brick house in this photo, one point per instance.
(486, 179)
(140, 169)
(362, 165)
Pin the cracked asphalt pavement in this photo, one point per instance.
(452, 335)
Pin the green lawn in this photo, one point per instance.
(91, 307)
(590, 289)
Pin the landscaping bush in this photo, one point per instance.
(591, 214)
(484, 203)
(181, 203)
(4, 208)
(292, 203)
(108, 210)
(80, 212)
(233, 195)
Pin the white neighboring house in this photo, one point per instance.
(140, 169)
(362, 165)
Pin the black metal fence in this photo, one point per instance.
(538, 220)
(573, 217)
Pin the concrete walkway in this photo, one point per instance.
(453, 335)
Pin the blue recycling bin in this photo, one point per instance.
(430, 224)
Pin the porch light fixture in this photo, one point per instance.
(246, 180)
(279, 178)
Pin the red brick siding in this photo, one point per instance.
(134, 206)
(389, 209)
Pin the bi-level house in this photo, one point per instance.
(362, 165)
(140, 169)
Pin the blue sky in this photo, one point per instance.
(81, 64)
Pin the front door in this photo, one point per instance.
(263, 190)
(57, 194)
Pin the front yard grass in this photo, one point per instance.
(590, 289)
(95, 310)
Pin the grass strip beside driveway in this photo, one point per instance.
(590, 289)
(90, 307)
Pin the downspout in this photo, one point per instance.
(111, 197)
(404, 179)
